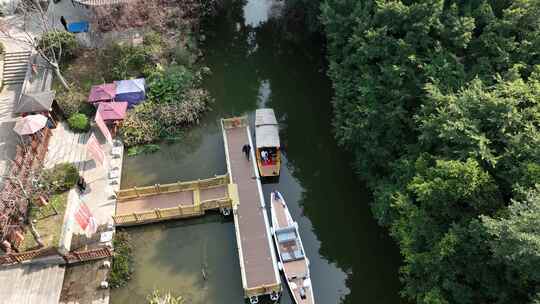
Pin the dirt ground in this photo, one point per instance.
(81, 284)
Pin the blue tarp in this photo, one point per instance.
(131, 90)
(78, 27)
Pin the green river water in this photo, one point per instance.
(254, 65)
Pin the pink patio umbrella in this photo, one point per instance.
(112, 110)
(102, 92)
(30, 124)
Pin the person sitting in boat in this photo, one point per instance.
(264, 156)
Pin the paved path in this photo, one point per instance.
(31, 283)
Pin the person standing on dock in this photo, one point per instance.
(247, 150)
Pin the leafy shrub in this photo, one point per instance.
(61, 177)
(62, 43)
(122, 264)
(128, 61)
(78, 122)
(168, 86)
(74, 101)
(2, 48)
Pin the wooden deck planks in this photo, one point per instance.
(257, 254)
(168, 200)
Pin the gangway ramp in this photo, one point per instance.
(142, 205)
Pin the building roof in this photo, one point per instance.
(266, 129)
(102, 92)
(35, 102)
(265, 117)
(112, 110)
(130, 86)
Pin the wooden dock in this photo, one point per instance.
(239, 191)
(258, 263)
(151, 204)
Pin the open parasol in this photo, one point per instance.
(30, 124)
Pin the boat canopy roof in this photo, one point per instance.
(266, 128)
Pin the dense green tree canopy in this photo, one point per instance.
(439, 100)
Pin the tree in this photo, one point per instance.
(439, 102)
(515, 241)
(52, 52)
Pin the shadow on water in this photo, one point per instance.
(352, 259)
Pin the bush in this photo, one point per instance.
(128, 61)
(78, 122)
(168, 86)
(2, 48)
(62, 43)
(61, 177)
(122, 264)
(74, 101)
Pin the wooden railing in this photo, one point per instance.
(88, 255)
(138, 192)
(234, 122)
(264, 289)
(71, 257)
(14, 258)
(181, 211)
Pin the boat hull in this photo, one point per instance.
(292, 260)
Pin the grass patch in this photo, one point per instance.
(122, 265)
(49, 222)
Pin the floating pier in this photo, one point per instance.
(156, 203)
(260, 275)
(239, 192)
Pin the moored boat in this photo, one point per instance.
(267, 142)
(292, 259)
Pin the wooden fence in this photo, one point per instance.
(138, 192)
(70, 257)
(181, 211)
(88, 255)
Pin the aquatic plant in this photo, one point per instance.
(122, 264)
(163, 298)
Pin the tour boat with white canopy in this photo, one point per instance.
(292, 259)
(267, 140)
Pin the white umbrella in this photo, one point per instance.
(30, 124)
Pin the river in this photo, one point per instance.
(255, 64)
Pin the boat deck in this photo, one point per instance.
(257, 257)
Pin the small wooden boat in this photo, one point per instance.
(292, 259)
(267, 139)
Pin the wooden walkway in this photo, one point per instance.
(172, 201)
(258, 264)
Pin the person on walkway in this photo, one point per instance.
(64, 22)
(81, 183)
(247, 150)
